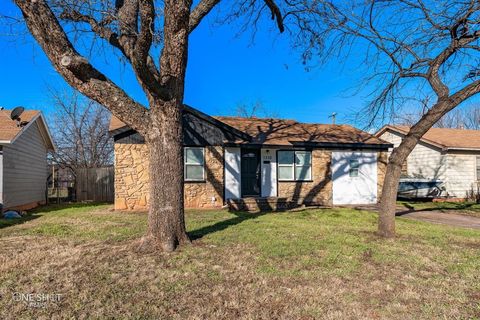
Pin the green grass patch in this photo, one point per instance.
(311, 263)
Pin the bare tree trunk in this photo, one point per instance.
(388, 201)
(166, 222)
(386, 219)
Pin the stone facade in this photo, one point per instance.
(132, 189)
(315, 192)
(131, 177)
(132, 186)
(208, 194)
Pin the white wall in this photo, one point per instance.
(391, 137)
(232, 173)
(461, 172)
(424, 161)
(268, 160)
(354, 190)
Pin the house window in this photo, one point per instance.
(294, 165)
(194, 164)
(353, 168)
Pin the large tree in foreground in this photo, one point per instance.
(152, 36)
(418, 53)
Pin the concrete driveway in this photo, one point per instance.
(435, 216)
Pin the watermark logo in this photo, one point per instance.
(37, 300)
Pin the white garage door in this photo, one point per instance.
(354, 177)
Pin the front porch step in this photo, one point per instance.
(255, 204)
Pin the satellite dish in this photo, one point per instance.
(16, 113)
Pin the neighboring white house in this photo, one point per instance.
(449, 155)
(23, 160)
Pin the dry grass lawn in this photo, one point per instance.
(311, 264)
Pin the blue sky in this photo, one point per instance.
(223, 71)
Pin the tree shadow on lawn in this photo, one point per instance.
(5, 223)
(41, 210)
(448, 206)
(222, 225)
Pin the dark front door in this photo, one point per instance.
(250, 172)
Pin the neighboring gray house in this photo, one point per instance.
(23, 160)
(449, 155)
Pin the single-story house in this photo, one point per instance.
(256, 162)
(23, 160)
(448, 155)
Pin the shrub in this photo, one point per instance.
(473, 194)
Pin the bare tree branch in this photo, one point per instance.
(276, 14)
(80, 130)
(133, 42)
(200, 11)
(99, 28)
(466, 118)
(127, 13)
(76, 70)
(145, 37)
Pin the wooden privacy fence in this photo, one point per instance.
(95, 184)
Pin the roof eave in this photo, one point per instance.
(53, 147)
(345, 145)
(460, 149)
(309, 144)
(200, 115)
(49, 143)
(403, 132)
(120, 130)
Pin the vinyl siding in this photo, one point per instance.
(424, 161)
(25, 169)
(461, 173)
(456, 168)
(391, 137)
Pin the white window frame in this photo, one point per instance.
(309, 178)
(351, 169)
(289, 165)
(294, 165)
(185, 164)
